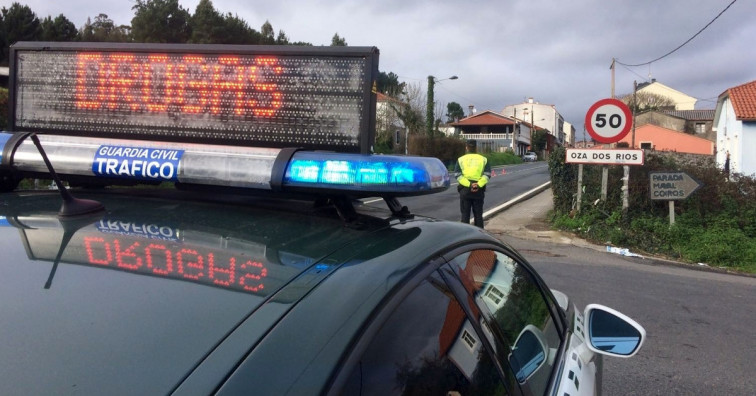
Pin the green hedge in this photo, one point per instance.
(716, 225)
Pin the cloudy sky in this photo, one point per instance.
(506, 51)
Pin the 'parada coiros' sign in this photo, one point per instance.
(670, 186)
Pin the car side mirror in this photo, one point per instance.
(529, 353)
(610, 332)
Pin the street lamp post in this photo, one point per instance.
(532, 126)
(429, 117)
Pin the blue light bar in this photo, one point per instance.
(366, 174)
(120, 161)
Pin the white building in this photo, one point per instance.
(543, 116)
(735, 124)
(681, 100)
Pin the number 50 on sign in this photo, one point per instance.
(608, 120)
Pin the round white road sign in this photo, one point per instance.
(608, 120)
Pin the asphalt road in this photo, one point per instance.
(506, 183)
(700, 324)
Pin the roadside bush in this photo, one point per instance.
(719, 246)
(563, 180)
(447, 149)
(651, 234)
(505, 158)
(715, 225)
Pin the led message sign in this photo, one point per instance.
(282, 96)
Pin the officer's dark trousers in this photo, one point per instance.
(476, 204)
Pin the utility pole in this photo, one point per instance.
(635, 106)
(429, 117)
(612, 68)
(514, 133)
(429, 108)
(532, 126)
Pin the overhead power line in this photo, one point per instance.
(683, 44)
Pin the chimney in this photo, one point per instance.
(471, 108)
(530, 100)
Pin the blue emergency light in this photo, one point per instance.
(376, 173)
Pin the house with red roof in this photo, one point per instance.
(654, 137)
(495, 132)
(694, 122)
(735, 123)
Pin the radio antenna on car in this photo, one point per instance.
(72, 206)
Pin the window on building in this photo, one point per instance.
(700, 127)
(647, 145)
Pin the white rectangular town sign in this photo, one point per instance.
(605, 156)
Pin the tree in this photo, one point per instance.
(160, 21)
(267, 33)
(388, 84)
(236, 31)
(207, 24)
(103, 29)
(282, 39)
(646, 101)
(58, 29)
(411, 114)
(337, 41)
(19, 24)
(454, 112)
(539, 140)
(438, 110)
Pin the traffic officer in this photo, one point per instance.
(472, 171)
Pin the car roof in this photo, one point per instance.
(168, 291)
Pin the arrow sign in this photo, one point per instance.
(670, 186)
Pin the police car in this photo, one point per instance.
(257, 271)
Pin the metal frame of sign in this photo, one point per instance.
(313, 107)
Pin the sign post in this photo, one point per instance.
(671, 186)
(608, 121)
(605, 157)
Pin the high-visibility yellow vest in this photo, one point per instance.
(472, 166)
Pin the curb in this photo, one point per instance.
(522, 197)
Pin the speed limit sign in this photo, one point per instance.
(608, 120)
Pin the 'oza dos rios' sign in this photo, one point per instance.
(670, 186)
(605, 156)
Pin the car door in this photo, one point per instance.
(424, 342)
(524, 322)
